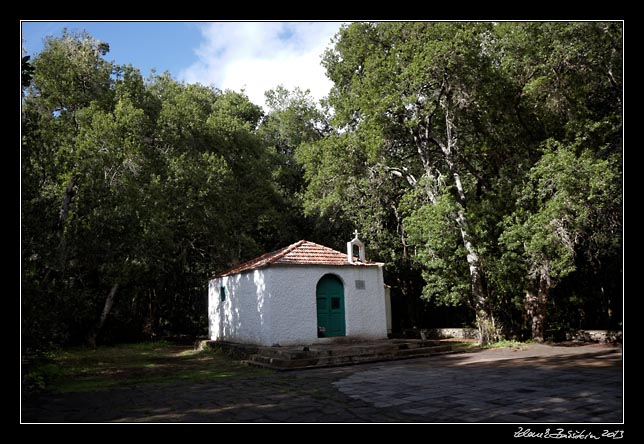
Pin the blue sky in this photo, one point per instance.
(255, 56)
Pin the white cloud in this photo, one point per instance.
(258, 56)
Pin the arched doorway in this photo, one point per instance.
(329, 295)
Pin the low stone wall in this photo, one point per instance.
(446, 333)
(607, 336)
(602, 336)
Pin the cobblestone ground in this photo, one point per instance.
(540, 384)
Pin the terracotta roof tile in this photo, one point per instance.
(299, 253)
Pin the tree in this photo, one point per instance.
(293, 120)
(435, 127)
(71, 72)
(568, 201)
(416, 94)
(68, 75)
(134, 193)
(568, 79)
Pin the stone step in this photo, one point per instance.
(280, 353)
(344, 357)
(349, 350)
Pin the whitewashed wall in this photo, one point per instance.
(277, 305)
(245, 315)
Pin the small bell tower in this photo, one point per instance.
(350, 246)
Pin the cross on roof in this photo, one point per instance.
(355, 233)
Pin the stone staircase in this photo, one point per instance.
(341, 352)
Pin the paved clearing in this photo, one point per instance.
(539, 383)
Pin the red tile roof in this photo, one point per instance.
(299, 253)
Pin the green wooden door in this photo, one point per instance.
(330, 305)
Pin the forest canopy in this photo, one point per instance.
(482, 162)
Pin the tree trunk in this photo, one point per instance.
(109, 301)
(537, 304)
(70, 191)
(484, 318)
(151, 322)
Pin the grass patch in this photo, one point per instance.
(507, 344)
(83, 369)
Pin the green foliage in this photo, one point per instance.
(439, 249)
(496, 146)
(26, 72)
(293, 120)
(559, 208)
(565, 72)
(149, 185)
(71, 72)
